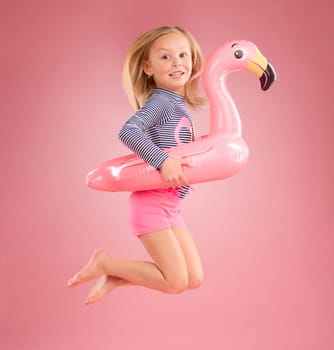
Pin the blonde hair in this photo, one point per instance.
(138, 86)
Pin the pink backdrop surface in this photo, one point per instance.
(265, 235)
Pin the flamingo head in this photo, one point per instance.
(239, 55)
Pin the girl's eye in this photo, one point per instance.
(165, 57)
(183, 54)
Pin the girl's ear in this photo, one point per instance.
(147, 68)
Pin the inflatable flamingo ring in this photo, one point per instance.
(220, 154)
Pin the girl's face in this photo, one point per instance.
(169, 62)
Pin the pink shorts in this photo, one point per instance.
(154, 210)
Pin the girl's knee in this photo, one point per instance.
(181, 283)
(195, 281)
(177, 285)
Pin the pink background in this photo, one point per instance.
(265, 235)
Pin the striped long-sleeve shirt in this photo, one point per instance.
(162, 122)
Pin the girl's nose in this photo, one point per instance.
(177, 62)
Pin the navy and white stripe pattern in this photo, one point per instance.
(162, 122)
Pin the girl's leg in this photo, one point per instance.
(167, 254)
(167, 272)
(191, 256)
(107, 284)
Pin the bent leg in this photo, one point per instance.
(191, 256)
(167, 273)
(166, 252)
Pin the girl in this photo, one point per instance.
(161, 75)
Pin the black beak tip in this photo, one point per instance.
(268, 77)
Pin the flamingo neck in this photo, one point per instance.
(225, 117)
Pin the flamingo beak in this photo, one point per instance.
(259, 65)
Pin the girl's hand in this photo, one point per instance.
(172, 172)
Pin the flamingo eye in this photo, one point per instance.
(238, 54)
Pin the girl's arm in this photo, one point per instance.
(133, 133)
(134, 137)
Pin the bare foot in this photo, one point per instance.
(103, 287)
(92, 270)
